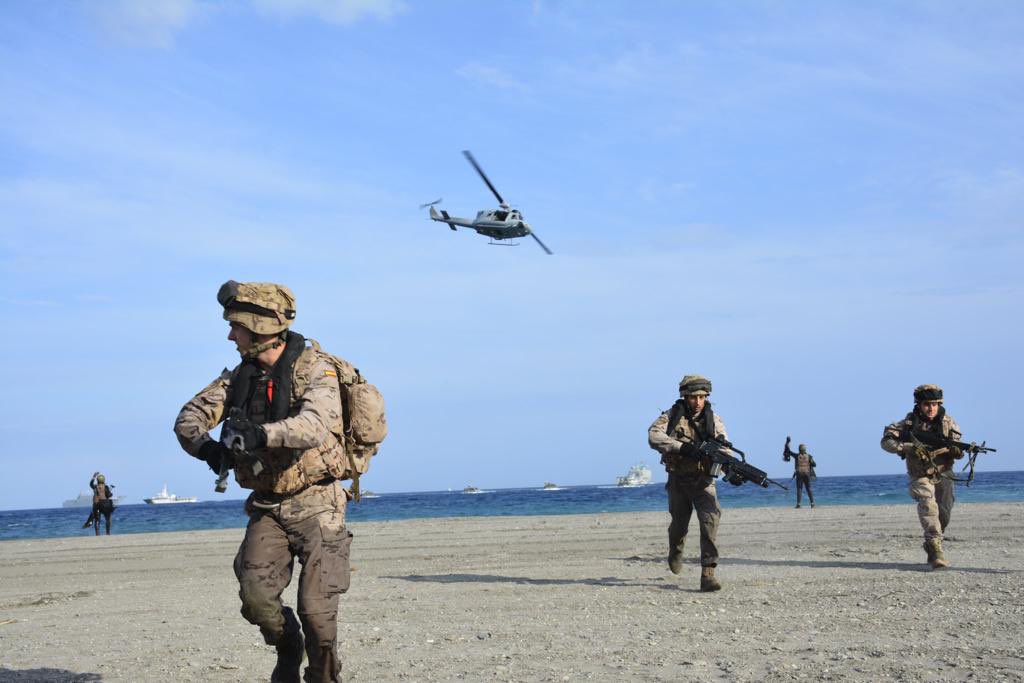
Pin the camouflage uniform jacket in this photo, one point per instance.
(685, 431)
(938, 460)
(304, 448)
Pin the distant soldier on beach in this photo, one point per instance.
(283, 412)
(677, 435)
(929, 468)
(102, 502)
(803, 470)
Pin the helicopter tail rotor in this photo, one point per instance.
(436, 201)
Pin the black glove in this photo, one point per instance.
(252, 435)
(688, 450)
(214, 453)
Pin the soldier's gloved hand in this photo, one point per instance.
(688, 450)
(215, 453)
(734, 479)
(252, 435)
(955, 452)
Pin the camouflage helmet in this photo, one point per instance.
(694, 385)
(802, 448)
(100, 479)
(928, 392)
(260, 307)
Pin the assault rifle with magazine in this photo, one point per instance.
(935, 441)
(734, 470)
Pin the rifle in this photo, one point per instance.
(735, 470)
(786, 453)
(934, 440)
(237, 451)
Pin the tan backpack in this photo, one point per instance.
(362, 405)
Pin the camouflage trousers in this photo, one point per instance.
(934, 504)
(684, 496)
(803, 481)
(311, 526)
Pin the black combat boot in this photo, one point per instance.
(290, 650)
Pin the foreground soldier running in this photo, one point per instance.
(285, 412)
(677, 434)
(929, 468)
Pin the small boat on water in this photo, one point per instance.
(368, 494)
(164, 498)
(471, 489)
(638, 475)
(548, 486)
(84, 500)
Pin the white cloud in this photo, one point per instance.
(341, 12)
(152, 23)
(155, 23)
(484, 74)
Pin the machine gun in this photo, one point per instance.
(237, 450)
(933, 440)
(734, 470)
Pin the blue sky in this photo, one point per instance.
(817, 205)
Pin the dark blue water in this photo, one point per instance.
(863, 490)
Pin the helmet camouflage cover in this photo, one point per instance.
(694, 385)
(802, 448)
(101, 479)
(928, 392)
(260, 307)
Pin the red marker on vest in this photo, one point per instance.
(270, 391)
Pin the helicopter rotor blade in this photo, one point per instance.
(542, 245)
(469, 157)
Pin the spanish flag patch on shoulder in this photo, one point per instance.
(330, 373)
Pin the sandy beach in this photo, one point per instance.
(833, 593)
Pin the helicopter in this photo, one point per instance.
(499, 224)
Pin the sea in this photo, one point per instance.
(988, 487)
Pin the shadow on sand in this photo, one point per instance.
(832, 564)
(607, 581)
(46, 676)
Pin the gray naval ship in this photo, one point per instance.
(84, 500)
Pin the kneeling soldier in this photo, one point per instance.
(929, 468)
(677, 435)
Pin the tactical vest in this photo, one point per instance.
(288, 470)
(803, 463)
(943, 461)
(99, 493)
(682, 428)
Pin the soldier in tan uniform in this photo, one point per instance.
(929, 468)
(284, 401)
(803, 470)
(677, 434)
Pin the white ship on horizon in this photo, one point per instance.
(638, 475)
(164, 498)
(84, 500)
